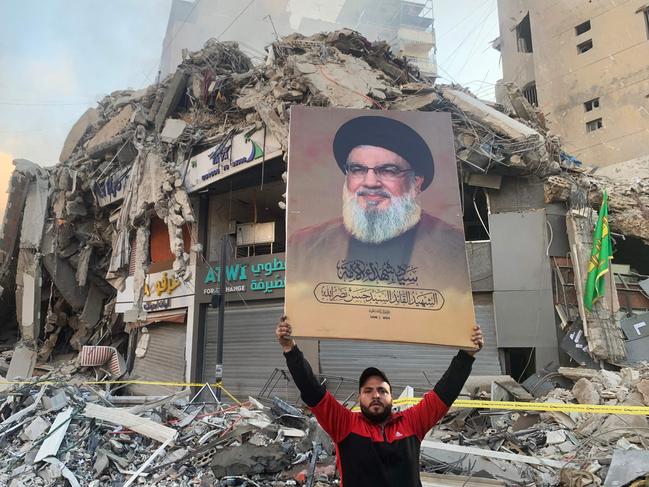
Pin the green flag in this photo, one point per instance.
(598, 265)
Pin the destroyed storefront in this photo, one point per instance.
(238, 184)
(159, 342)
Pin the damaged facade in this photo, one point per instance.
(591, 83)
(166, 194)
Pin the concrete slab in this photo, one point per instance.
(172, 130)
(35, 211)
(55, 403)
(89, 317)
(29, 318)
(491, 117)
(173, 95)
(111, 129)
(35, 429)
(22, 363)
(77, 132)
(65, 280)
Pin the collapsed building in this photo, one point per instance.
(116, 254)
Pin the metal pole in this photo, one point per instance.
(222, 291)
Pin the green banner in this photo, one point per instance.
(599, 264)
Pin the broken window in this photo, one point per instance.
(160, 253)
(524, 35)
(520, 363)
(476, 214)
(594, 125)
(585, 46)
(591, 105)
(583, 27)
(529, 92)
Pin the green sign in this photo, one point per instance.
(259, 277)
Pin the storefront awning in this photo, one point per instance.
(169, 316)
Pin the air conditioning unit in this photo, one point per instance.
(255, 233)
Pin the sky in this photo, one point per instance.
(58, 57)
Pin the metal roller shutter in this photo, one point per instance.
(405, 364)
(250, 352)
(164, 360)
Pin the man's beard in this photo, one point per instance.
(376, 418)
(375, 225)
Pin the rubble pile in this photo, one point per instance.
(59, 428)
(553, 447)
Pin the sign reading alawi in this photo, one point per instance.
(236, 152)
(259, 277)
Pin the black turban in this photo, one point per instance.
(389, 134)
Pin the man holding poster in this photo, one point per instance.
(393, 252)
(376, 447)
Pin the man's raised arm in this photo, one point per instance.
(311, 390)
(436, 403)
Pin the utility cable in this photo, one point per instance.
(235, 19)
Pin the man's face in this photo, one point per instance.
(372, 190)
(375, 399)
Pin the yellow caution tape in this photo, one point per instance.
(539, 406)
(123, 382)
(411, 401)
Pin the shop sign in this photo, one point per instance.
(235, 153)
(111, 189)
(157, 305)
(162, 290)
(166, 284)
(259, 277)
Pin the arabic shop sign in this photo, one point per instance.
(160, 288)
(164, 285)
(260, 277)
(235, 153)
(157, 305)
(112, 188)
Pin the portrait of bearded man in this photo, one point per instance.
(383, 235)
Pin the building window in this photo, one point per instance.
(583, 27)
(594, 125)
(160, 254)
(585, 46)
(524, 35)
(591, 105)
(646, 20)
(529, 92)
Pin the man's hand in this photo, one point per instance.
(283, 333)
(478, 340)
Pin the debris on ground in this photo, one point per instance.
(59, 426)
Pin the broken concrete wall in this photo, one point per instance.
(28, 295)
(78, 130)
(35, 212)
